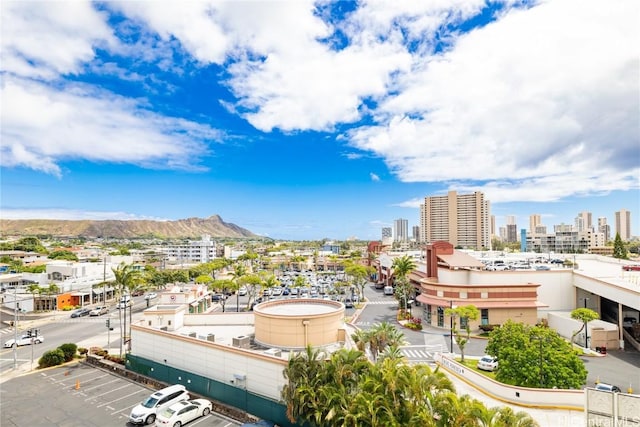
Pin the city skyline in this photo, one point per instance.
(308, 120)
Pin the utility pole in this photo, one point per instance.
(15, 326)
(586, 338)
(451, 326)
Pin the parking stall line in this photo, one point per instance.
(125, 408)
(123, 397)
(107, 392)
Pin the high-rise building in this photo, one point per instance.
(401, 230)
(623, 224)
(511, 220)
(415, 233)
(604, 228)
(386, 233)
(512, 233)
(534, 221)
(584, 222)
(462, 220)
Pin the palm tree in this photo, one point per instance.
(34, 289)
(239, 270)
(126, 278)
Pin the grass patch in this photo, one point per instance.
(471, 364)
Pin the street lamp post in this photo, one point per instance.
(451, 326)
(586, 338)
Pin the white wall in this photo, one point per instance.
(221, 363)
(523, 396)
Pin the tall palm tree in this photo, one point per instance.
(239, 271)
(126, 278)
(34, 289)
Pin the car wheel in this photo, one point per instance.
(177, 424)
(205, 412)
(150, 419)
(37, 341)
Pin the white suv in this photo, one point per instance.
(145, 412)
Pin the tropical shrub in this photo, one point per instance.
(51, 358)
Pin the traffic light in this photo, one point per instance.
(108, 323)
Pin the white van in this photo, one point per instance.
(388, 290)
(145, 412)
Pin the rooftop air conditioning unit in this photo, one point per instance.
(241, 341)
(276, 352)
(211, 337)
(192, 334)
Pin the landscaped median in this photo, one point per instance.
(543, 398)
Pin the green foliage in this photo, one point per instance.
(467, 312)
(346, 389)
(51, 358)
(65, 255)
(534, 356)
(619, 250)
(27, 244)
(69, 350)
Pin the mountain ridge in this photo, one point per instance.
(122, 229)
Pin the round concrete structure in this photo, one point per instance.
(295, 323)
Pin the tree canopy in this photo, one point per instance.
(345, 389)
(535, 356)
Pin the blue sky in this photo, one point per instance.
(310, 120)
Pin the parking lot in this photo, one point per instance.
(78, 395)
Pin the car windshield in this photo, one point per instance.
(167, 413)
(150, 402)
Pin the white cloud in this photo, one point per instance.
(45, 39)
(539, 105)
(45, 125)
(374, 177)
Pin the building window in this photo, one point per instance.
(440, 317)
(484, 316)
(463, 295)
(169, 322)
(427, 314)
(484, 295)
(463, 322)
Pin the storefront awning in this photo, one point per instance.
(439, 302)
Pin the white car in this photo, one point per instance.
(151, 295)
(24, 340)
(242, 291)
(183, 412)
(99, 311)
(488, 363)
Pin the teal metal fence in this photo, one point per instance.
(237, 397)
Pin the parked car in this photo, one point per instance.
(24, 339)
(81, 312)
(388, 290)
(146, 411)
(631, 267)
(487, 363)
(151, 295)
(348, 303)
(183, 412)
(608, 387)
(99, 311)
(542, 267)
(242, 291)
(218, 297)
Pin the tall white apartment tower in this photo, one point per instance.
(604, 228)
(534, 221)
(584, 222)
(401, 230)
(460, 219)
(623, 224)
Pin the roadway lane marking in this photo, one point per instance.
(126, 407)
(68, 374)
(110, 391)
